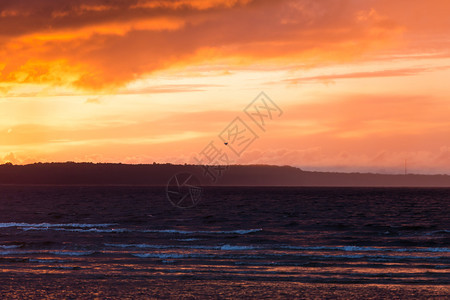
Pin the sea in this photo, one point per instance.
(130, 242)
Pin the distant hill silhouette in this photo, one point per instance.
(236, 175)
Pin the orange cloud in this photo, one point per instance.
(100, 44)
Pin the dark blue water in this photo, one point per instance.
(331, 236)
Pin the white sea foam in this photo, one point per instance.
(72, 253)
(20, 252)
(107, 230)
(421, 250)
(227, 247)
(344, 256)
(340, 248)
(100, 228)
(142, 246)
(170, 255)
(230, 247)
(53, 252)
(9, 246)
(239, 231)
(9, 252)
(200, 247)
(376, 257)
(50, 225)
(46, 260)
(364, 249)
(159, 255)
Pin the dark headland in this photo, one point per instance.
(236, 175)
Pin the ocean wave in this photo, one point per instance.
(72, 253)
(75, 227)
(9, 246)
(230, 247)
(13, 252)
(276, 256)
(364, 249)
(171, 255)
(108, 230)
(223, 255)
(438, 232)
(330, 248)
(200, 247)
(285, 247)
(239, 231)
(434, 249)
(50, 225)
(46, 261)
(370, 257)
(53, 252)
(142, 246)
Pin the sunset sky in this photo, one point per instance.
(363, 84)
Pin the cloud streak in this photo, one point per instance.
(370, 74)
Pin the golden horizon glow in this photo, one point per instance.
(362, 83)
